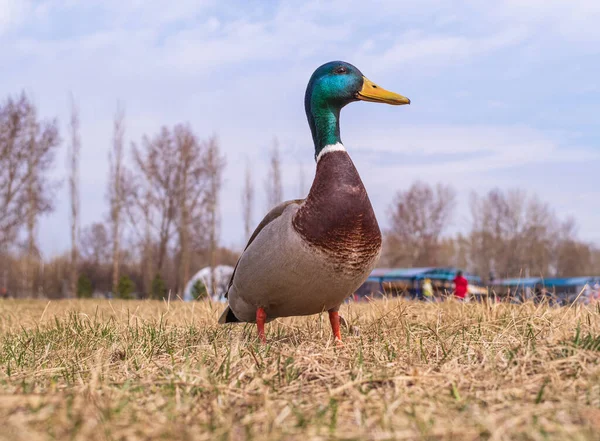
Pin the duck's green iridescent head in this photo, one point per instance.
(331, 87)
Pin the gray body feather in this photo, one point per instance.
(282, 273)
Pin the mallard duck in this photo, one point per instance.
(308, 255)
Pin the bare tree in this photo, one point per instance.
(185, 143)
(454, 251)
(13, 174)
(138, 205)
(155, 188)
(273, 185)
(96, 244)
(247, 202)
(96, 256)
(147, 247)
(116, 192)
(418, 218)
(595, 259)
(192, 189)
(27, 149)
(171, 190)
(572, 257)
(215, 164)
(512, 234)
(74, 150)
(33, 256)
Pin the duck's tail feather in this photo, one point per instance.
(228, 316)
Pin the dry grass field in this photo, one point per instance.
(99, 370)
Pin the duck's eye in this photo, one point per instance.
(341, 70)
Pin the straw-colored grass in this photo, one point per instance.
(95, 370)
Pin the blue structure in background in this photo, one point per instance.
(560, 290)
(530, 282)
(408, 281)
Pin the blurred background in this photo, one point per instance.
(141, 142)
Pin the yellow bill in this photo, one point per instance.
(372, 92)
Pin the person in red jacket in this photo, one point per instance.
(460, 286)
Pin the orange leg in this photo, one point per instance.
(334, 318)
(261, 318)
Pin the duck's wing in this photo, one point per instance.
(270, 217)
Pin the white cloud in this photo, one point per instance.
(575, 20)
(241, 71)
(470, 158)
(432, 152)
(433, 51)
(12, 13)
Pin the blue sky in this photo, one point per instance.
(504, 94)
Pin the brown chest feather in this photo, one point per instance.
(337, 216)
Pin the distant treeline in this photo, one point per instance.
(511, 234)
(162, 219)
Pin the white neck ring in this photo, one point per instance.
(338, 147)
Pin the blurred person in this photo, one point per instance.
(427, 290)
(461, 286)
